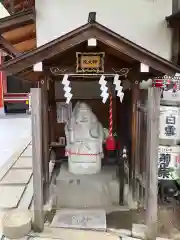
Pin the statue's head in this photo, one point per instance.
(84, 114)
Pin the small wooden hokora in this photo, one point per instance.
(85, 136)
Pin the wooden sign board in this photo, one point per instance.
(90, 62)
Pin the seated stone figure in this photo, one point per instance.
(84, 137)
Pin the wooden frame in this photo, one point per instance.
(45, 136)
(7, 47)
(81, 34)
(174, 19)
(96, 69)
(120, 44)
(37, 156)
(17, 20)
(153, 112)
(8, 26)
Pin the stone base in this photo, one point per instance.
(80, 219)
(87, 191)
(16, 224)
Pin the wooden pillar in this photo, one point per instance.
(45, 134)
(139, 141)
(3, 81)
(37, 157)
(153, 111)
(135, 98)
(52, 113)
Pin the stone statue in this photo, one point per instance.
(84, 137)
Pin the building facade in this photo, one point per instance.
(142, 21)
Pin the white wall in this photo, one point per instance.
(141, 21)
(3, 11)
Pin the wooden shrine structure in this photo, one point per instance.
(140, 107)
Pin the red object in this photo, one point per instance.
(110, 141)
(16, 97)
(159, 83)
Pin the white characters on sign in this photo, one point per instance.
(84, 137)
(118, 87)
(104, 89)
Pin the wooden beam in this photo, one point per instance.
(58, 48)
(37, 156)
(52, 112)
(134, 77)
(26, 45)
(17, 20)
(82, 34)
(31, 76)
(116, 53)
(153, 111)
(20, 34)
(132, 50)
(135, 97)
(45, 134)
(7, 47)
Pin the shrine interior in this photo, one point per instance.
(108, 188)
(103, 189)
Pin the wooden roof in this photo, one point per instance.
(81, 34)
(174, 19)
(18, 33)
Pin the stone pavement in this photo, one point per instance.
(16, 191)
(16, 182)
(14, 130)
(69, 234)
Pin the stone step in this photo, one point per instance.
(16, 177)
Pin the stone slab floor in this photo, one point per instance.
(14, 129)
